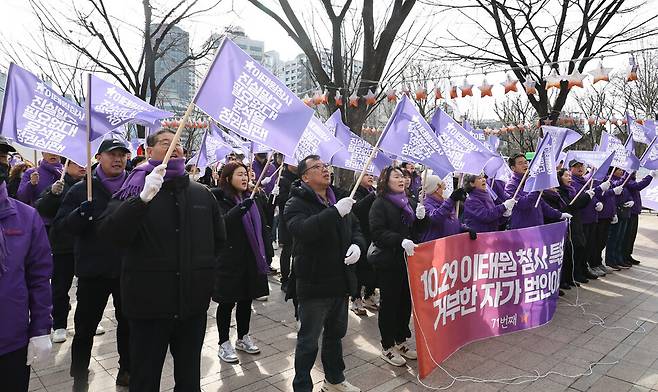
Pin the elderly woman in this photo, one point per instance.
(481, 213)
(441, 212)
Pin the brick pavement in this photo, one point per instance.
(567, 345)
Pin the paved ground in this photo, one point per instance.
(567, 346)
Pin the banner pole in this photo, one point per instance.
(375, 149)
(459, 185)
(276, 185)
(174, 142)
(421, 195)
(525, 175)
(262, 174)
(35, 159)
(88, 120)
(539, 198)
(66, 164)
(591, 180)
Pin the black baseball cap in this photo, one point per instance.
(575, 162)
(5, 146)
(112, 144)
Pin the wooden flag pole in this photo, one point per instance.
(525, 175)
(276, 185)
(35, 158)
(88, 121)
(375, 148)
(421, 195)
(262, 174)
(66, 164)
(591, 180)
(174, 142)
(459, 185)
(539, 198)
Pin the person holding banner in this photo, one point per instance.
(241, 273)
(366, 278)
(327, 242)
(442, 221)
(634, 187)
(481, 213)
(170, 232)
(608, 218)
(62, 245)
(97, 263)
(615, 244)
(25, 269)
(395, 223)
(37, 180)
(525, 214)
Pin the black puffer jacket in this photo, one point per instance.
(237, 277)
(387, 231)
(61, 241)
(320, 241)
(576, 223)
(285, 184)
(94, 255)
(170, 250)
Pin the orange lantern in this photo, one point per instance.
(437, 94)
(391, 96)
(339, 99)
(529, 86)
(453, 91)
(485, 88)
(510, 84)
(370, 98)
(466, 89)
(421, 94)
(307, 101)
(353, 100)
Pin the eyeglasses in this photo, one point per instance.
(321, 166)
(167, 143)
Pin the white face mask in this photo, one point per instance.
(195, 177)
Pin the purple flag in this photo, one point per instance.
(466, 154)
(650, 195)
(213, 149)
(478, 134)
(112, 106)
(496, 168)
(623, 158)
(541, 172)
(35, 116)
(258, 148)
(259, 107)
(238, 144)
(356, 151)
(492, 143)
(630, 144)
(409, 137)
(562, 138)
(602, 170)
(317, 139)
(641, 133)
(650, 158)
(591, 158)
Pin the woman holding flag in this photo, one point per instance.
(481, 213)
(241, 273)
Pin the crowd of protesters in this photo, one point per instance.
(164, 241)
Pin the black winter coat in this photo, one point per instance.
(320, 241)
(387, 231)
(170, 246)
(61, 241)
(576, 226)
(287, 179)
(237, 277)
(95, 256)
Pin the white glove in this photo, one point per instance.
(153, 183)
(344, 205)
(57, 187)
(275, 191)
(265, 181)
(38, 349)
(618, 190)
(629, 204)
(420, 212)
(615, 220)
(566, 216)
(509, 204)
(605, 185)
(590, 193)
(654, 173)
(408, 246)
(352, 255)
(598, 207)
(507, 213)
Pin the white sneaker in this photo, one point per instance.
(247, 345)
(370, 303)
(100, 330)
(342, 387)
(59, 335)
(406, 351)
(262, 299)
(227, 353)
(357, 307)
(391, 356)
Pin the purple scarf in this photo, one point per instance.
(254, 230)
(112, 184)
(401, 201)
(6, 209)
(331, 197)
(135, 181)
(484, 197)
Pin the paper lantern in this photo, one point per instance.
(437, 94)
(510, 84)
(353, 100)
(591, 121)
(453, 91)
(485, 88)
(466, 89)
(575, 79)
(529, 86)
(600, 73)
(390, 95)
(338, 99)
(307, 101)
(405, 91)
(421, 94)
(370, 98)
(632, 73)
(317, 97)
(553, 80)
(602, 121)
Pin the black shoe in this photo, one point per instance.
(626, 264)
(561, 293)
(123, 378)
(273, 271)
(284, 287)
(589, 275)
(614, 267)
(623, 266)
(581, 279)
(633, 261)
(565, 286)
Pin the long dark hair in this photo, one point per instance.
(227, 174)
(560, 173)
(382, 181)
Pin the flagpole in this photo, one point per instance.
(591, 180)
(262, 174)
(641, 158)
(459, 185)
(35, 158)
(174, 142)
(66, 164)
(375, 149)
(421, 195)
(88, 120)
(518, 188)
(539, 198)
(276, 185)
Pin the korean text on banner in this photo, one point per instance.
(465, 290)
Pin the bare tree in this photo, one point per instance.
(380, 59)
(598, 104)
(640, 97)
(533, 37)
(516, 111)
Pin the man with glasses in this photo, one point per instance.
(171, 232)
(327, 241)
